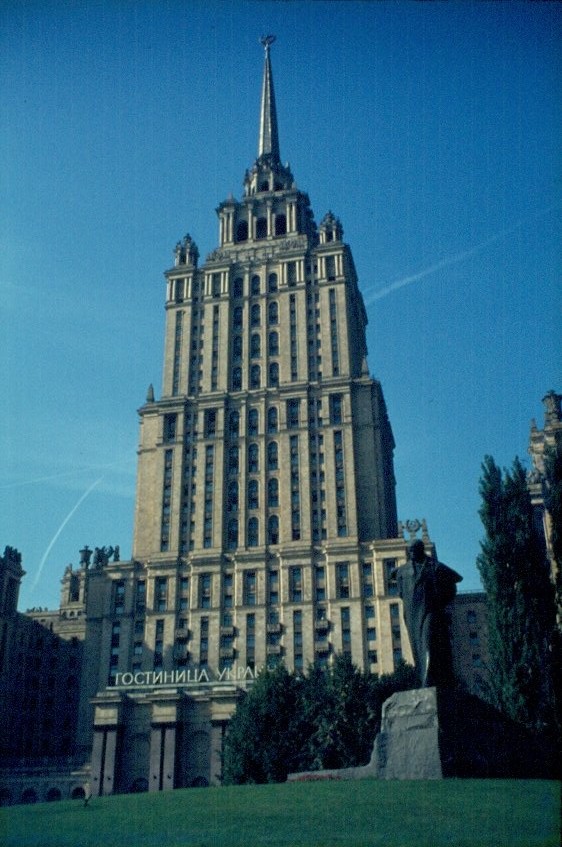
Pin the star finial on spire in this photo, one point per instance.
(267, 41)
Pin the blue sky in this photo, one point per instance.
(431, 130)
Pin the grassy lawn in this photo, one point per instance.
(464, 813)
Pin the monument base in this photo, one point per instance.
(430, 734)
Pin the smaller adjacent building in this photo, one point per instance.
(541, 442)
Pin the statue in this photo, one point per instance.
(427, 587)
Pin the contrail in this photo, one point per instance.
(60, 529)
(451, 260)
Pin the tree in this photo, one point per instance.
(262, 742)
(521, 608)
(327, 718)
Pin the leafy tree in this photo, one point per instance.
(521, 609)
(325, 719)
(553, 504)
(263, 741)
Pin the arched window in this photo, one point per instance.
(53, 794)
(236, 379)
(237, 347)
(253, 494)
(232, 496)
(273, 343)
(280, 224)
(255, 315)
(273, 313)
(272, 456)
(237, 317)
(273, 492)
(264, 186)
(253, 458)
(238, 287)
(234, 424)
(255, 346)
(255, 376)
(232, 534)
(253, 532)
(272, 282)
(255, 285)
(273, 530)
(78, 793)
(242, 231)
(261, 228)
(233, 463)
(274, 374)
(253, 421)
(272, 419)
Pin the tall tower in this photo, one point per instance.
(265, 519)
(270, 438)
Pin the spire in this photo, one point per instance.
(269, 137)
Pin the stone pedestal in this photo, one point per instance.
(407, 747)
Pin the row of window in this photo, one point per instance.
(170, 430)
(343, 591)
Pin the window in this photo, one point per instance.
(272, 456)
(210, 423)
(170, 423)
(273, 588)
(232, 534)
(253, 532)
(234, 424)
(391, 586)
(118, 597)
(242, 231)
(331, 267)
(346, 629)
(236, 379)
(280, 224)
(232, 496)
(272, 282)
(261, 228)
(249, 588)
(291, 273)
(237, 317)
(255, 346)
(335, 409)
(273, 530)
(295, 584)
(255, 285)
(370, 612)
(237, 348)
(161, 593)
(274, 374)
(255, 315)
(253, 421)
(293, 414)
(273, 313)
(237, 287)
(273, 343)
(273, 493)
(255, 376)
(253, 458)
(368, 589)
(272, 419)
(205, 591)
(342, 579)
(320, 582)
(233, 460)
(371, 633)
(253, 495)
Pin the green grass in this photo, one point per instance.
(464, 813)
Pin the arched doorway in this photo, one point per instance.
(53, 794)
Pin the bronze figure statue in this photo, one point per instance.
(427, 587)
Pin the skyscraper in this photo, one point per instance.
(265, 520)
